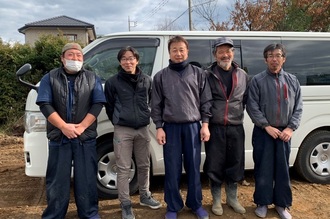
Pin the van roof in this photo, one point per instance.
(222, 33)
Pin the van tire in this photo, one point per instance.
(107, 172)
(313, 159)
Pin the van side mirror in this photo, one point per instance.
(22, 71)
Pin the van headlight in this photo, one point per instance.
(35, 122)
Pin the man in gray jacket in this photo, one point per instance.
(180, 103)
(225, 149)
(275, 107)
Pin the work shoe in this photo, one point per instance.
(127, 211)
(261, 211)
(147, 200)
(171, 215)
(284, 214)
(201, 213)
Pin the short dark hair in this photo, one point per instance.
(274, 46)
(176, 39)
(126, 49)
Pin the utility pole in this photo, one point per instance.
(189, 9)
(129, 24)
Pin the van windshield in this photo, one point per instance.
(102, 58)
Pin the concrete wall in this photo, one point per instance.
(33, 34)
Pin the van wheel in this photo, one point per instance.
(313, 159)
(107, 172)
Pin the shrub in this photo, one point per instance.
(44, 56)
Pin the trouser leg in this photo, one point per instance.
(123, 149)
(172, 151)
(142, 158)
(282, 186)
(85, 173)
(192, 159)
(58, 178)
(263, 156)
(215, 150)
(235, 153)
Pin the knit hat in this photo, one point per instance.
(71, 46)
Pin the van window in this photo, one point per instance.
(253, 55)
(309, 61)
(102, 59)
(200, 52)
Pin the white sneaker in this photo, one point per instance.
(284, 214)
(261, 211)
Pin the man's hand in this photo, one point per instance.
(205, 132)
(274, 132)
(79, 129)
(161, 136)
(286, 134)
(69, 130)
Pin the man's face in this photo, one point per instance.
(224, 56)
(72, 56)
(178, 52)
(129, 62)
(275, 60)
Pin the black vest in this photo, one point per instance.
(81, 101)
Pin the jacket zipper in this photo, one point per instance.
(278, 92)
(234, 83)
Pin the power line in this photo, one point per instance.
(175, 19)
(190, 10)
(153, 11)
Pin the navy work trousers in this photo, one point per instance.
(182, 144)
(271, 169)
(58, 178)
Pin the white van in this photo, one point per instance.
(308, 57)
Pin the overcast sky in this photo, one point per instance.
(107, 16)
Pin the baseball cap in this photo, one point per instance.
(222, 41)
(71, 46)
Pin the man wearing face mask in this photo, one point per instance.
(71, 98)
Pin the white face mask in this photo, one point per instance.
(73, 66)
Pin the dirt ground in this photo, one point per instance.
(24, 197)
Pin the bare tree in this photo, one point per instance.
(209, 11)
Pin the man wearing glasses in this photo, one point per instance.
(275, 107)
(128, 96)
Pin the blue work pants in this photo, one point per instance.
(271, 169)
(182, 144)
